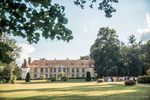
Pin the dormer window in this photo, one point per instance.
(35, 63)
(46, 63)
(72, 63)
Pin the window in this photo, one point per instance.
(46, 70)
(77, 75)
(64, 69)
(68, 70)
(59, 69)
(83, 70)
(77, 70)
(50, 70)
(50, 75)
(72, 70)
(54, 69)
(72, 75)
(83, 75)
(35, 76)
(41, 70)
(35, 70)
(54, 75)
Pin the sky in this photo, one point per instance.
(131, 17)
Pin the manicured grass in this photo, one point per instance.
(73, 90)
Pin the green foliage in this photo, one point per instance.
(105, 52)
(129, 82)
(9, 50)
(25, 17)
(105, 5)
(17, 72)
(88, 76)
(65, 78)
(133, 56)
(61, 75)
(99, 81)
(27, 79)
(53, 79)
(148, 72)
(42, 77)
(7, 72)
(143, 79)
(13, 79)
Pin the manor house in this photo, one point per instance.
(51, 68)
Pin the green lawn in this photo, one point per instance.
(73, 90)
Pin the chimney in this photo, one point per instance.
(67, 58)
(25, 62)
(29, 60)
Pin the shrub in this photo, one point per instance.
(42, 77)
(53, 79)
(13, 79)
(129, 82)
(88, 76)
(143, 79)
(65, 78)
(99, 81)
(27, 77)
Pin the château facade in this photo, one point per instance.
(51, 68)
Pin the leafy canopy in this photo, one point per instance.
(32, 19)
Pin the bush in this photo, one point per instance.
(53, 79)
(129, 82)
(27, 77)
(143, 79)
(88, 76)
(42, 77)
(99, 81)
(13, 79)
(65, 78)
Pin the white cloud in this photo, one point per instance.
(145, 32)
(26, 50)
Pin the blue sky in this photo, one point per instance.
(132, 17)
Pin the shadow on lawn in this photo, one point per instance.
(49, 81)
(89, 88)
(136, 95)
(122, 96)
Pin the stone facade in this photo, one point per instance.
(51, 68)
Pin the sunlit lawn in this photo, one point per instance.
(41, 90)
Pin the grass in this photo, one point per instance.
(72, 90)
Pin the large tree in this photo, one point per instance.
(134, 57)
(105, 52)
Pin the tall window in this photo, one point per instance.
(59, 69)
(50, 75)
(68, 70)
(35, 70)
(46, 70)
(41, 70)
(72, 70)
(50, 70)
(72, 75)
(83, 70)
(77, 75)
(55, 70)
(83, 75)
(64, 69)
(35, 76)
(77, 70)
